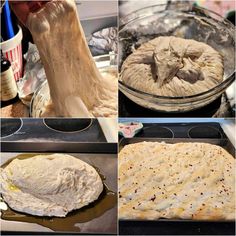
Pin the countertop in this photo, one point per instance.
(17, 109)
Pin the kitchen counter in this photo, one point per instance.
(17, 109)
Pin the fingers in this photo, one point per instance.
(23, 8)
(34, 6)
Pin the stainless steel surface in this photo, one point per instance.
(107, 223)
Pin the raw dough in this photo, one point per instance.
(171, 66)
(183, 180)
(77, 89)
(49, 185)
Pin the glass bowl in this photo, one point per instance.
(105, 63)
(181, 20)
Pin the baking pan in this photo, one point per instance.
(224, 143)
(105, 223)
(175, 226)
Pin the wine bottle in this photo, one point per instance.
(9, 93)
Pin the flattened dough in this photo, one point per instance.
(77, 89)
(183, 180)
(171, 66)
(49, 185)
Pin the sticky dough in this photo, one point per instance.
(77, 89)
(171, 66)
(49, 185)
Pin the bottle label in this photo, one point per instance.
(8, 85)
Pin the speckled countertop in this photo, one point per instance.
(17, 109)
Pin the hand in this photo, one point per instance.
(23, 8)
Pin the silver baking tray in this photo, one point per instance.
(177, 226)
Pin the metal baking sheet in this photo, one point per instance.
(175, 226)
(224, 143)
(105, 224)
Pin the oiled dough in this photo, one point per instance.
(77, 89)
(49, 185)
(183, 180)
(172, 66)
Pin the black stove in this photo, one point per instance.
(219, 108)
(51, 130)
(209, 130)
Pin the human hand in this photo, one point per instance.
(23, 8)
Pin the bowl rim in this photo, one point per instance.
(226, 81)
(229, 79)
(164, 4)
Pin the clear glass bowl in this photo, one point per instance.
(186, 21)
(41, 97)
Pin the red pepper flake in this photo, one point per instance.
(153, 198)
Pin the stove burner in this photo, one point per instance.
(68, 125)
(204, 132)
(157, 131)
(10, 126)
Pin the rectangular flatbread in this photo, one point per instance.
(182, 180)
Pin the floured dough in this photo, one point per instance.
(171, 66)
(49, 185)
(183, 180)
(77, 89)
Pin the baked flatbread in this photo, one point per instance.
(183, 180)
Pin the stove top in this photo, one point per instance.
(51, 130)
(218, 108)
(182, 130)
